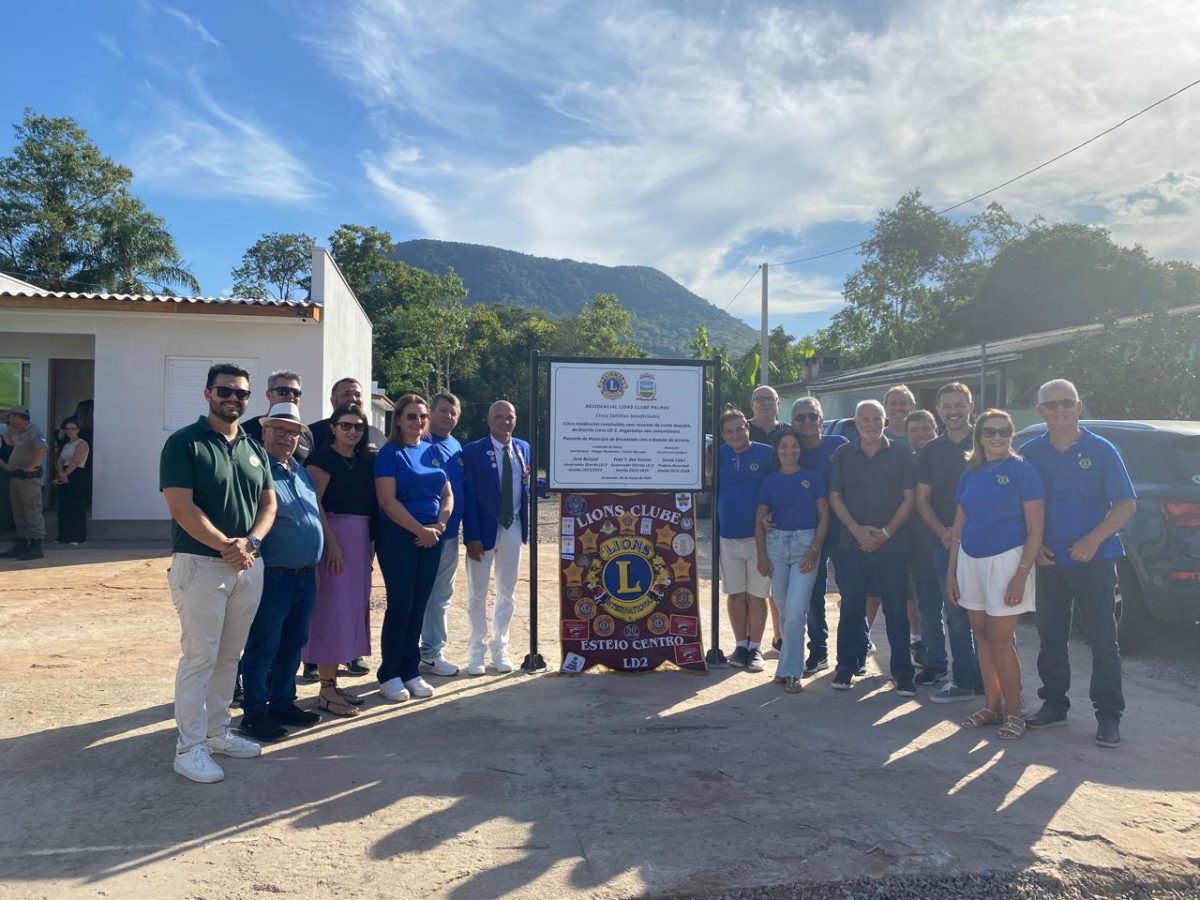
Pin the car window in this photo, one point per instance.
(1184, 454)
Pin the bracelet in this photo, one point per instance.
(885, 533)
(1025, 566)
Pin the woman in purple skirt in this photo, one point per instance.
(344, 473)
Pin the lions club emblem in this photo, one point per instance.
(1085, 463)
(1001, 479)
(612, 385)
(625, 573)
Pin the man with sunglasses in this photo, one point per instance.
(346, 392)
(218, 487)
(1088, 498)
(282, 387)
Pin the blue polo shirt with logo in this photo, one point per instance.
(993, 499)
(1082, 483)
(741, 475)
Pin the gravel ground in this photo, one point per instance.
(1066, 883)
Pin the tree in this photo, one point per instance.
(276, 266)
(602, 328)
(68, 221)
(1148, 369)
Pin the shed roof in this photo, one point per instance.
(35, 298)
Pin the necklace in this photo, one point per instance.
(348, 460)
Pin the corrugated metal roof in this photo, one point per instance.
(1002, 351)
(160, 298)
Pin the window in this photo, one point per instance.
(14, 383)
(185, 376)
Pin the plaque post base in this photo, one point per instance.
(534, 664)
(716, 659)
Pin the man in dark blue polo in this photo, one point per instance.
(291, 551)
(1088, 498)
(871, 493)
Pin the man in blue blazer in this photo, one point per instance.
(495, 523)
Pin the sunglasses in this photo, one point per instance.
(352, 426)
(806, 417)
(416, 417)
(226, 392)
(286, 392)
(1055, 405)
(1004, 432)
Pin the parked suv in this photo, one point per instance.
(841, 427)
(1159, 580)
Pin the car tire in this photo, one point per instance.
(1133, 618)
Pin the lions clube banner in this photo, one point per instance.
(628, 582)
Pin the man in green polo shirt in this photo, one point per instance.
(218, 487)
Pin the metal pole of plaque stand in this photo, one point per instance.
(533, 663)
(715, 658)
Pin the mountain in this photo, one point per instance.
(665, 313)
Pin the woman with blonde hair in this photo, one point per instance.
(996, 536)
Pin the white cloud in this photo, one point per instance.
(109, 43)
(627, 133)
(204, 149)
(192, 24)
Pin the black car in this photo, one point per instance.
(1159, 579)
(841, 427)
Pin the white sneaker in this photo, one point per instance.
(394, 690)
(439, 666)
(502, 663)
(233, 745)
(197, 765)
(419, 687)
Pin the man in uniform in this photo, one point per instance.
(218, 488)
(25, 489)
(446, 452)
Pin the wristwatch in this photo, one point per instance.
(254, 542)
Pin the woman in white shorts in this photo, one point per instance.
(997, 534)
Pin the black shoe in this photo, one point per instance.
(33, 551)
(264, 729)
(816, 664)
(777, 644)
(928, 677)
(16, 549)
(356, 668)
(1046, 717)
(739, 657)
(905, 687)
(1108, 732)
(310, 674)
(841, 681)
(239, 693)
(294, 715)
(755, 661)
(861, 670)
(917, 649)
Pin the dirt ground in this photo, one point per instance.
(599, 785)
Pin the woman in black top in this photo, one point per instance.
(344, 474)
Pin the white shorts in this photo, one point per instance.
(982, 583)
(739, 568)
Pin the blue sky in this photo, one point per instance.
(701, 138)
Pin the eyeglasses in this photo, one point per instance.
(765, 399)
(416, 417)
(1055, 405)
(352, 426)
(226, 392)
(292, 435)
(806, 417)
(1005, 432)
(286, 392)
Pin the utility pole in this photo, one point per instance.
(763, 353)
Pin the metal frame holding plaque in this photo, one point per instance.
(633, 429)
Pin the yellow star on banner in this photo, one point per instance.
(587, 541)
(663, 536)
(573, 574)
(628, 523)
(681, 569)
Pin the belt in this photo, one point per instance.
(303, 570)
(21, 473)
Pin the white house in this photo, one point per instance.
(143, 360)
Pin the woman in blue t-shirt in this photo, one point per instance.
(996, 537)
(795, 500)
(415, 502)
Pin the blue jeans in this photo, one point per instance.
(792, 590)
(818, 627)
(408, 574)
(433, 630)
(965, 671)
(277, 635)
(1087, 588)
(930, 599)
(889, 572)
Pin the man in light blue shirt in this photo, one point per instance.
(444, 451)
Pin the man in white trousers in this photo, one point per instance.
(495, 524)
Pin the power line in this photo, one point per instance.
(742, 288)
(1014, 179)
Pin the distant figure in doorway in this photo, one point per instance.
(71, 477)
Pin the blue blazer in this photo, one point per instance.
(481, 490)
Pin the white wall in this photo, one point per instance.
(346, 332)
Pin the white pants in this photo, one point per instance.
(506, 556)
(216, 605)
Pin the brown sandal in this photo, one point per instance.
(981, 718)
(350, 698)
(1013, 729)
(337, 705)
